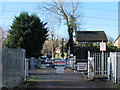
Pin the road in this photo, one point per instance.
(70, 79)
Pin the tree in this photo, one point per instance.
(1, 36)
(28, 32)
(50, 46)
(69, 15)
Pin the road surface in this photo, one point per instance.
(69, 79)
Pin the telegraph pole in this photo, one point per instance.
(52, 45)
(62, 55)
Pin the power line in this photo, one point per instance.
(106, 10)
(111, 19)
(98, 24)
(100, 17)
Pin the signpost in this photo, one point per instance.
(82, 66)
(102, 48)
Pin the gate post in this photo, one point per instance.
(90, 67)
(1, 70)
(26, 68)
(102, 63)
(109, 68)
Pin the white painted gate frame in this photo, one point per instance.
(112, 64)
(90, 68)
(114, 67)
(95, 59)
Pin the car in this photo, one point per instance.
(57, 59)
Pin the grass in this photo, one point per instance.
(23, 85)
(27, 84)
(33, 77)
(118, 86)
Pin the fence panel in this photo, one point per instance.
(118, 67)
(100, 64)
(13, 70)
(114, 68)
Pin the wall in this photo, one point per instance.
(117, 42)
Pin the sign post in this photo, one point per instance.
(102, 48)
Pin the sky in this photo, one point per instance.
(95, 16)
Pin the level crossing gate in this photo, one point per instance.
(97, 64)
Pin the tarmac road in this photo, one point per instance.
(69, 79)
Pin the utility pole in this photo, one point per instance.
(52, 44)
(62, 55)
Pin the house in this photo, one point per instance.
(88, 37)
(91, 36)
(117, 42)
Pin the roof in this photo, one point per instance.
(116, 39)
(91, 36)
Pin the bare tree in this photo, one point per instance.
(110, 39)
(50, 45)
(1, 37)
(67, 11)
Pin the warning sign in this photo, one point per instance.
(103, 46)
(82, 66)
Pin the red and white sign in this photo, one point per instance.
(59, 64)
(103, 46)
(82, 66)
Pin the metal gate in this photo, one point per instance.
(99, 64)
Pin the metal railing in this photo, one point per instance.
(100, 64)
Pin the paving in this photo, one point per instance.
(69, 79)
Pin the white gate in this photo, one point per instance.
(99, 65)
(114, 67)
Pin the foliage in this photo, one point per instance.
(28, 32)
(83, 49)
(70, 42)
(95, 47)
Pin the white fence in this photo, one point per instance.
(12, 67)
(114, 67)
(104, 65)
(100, 64)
